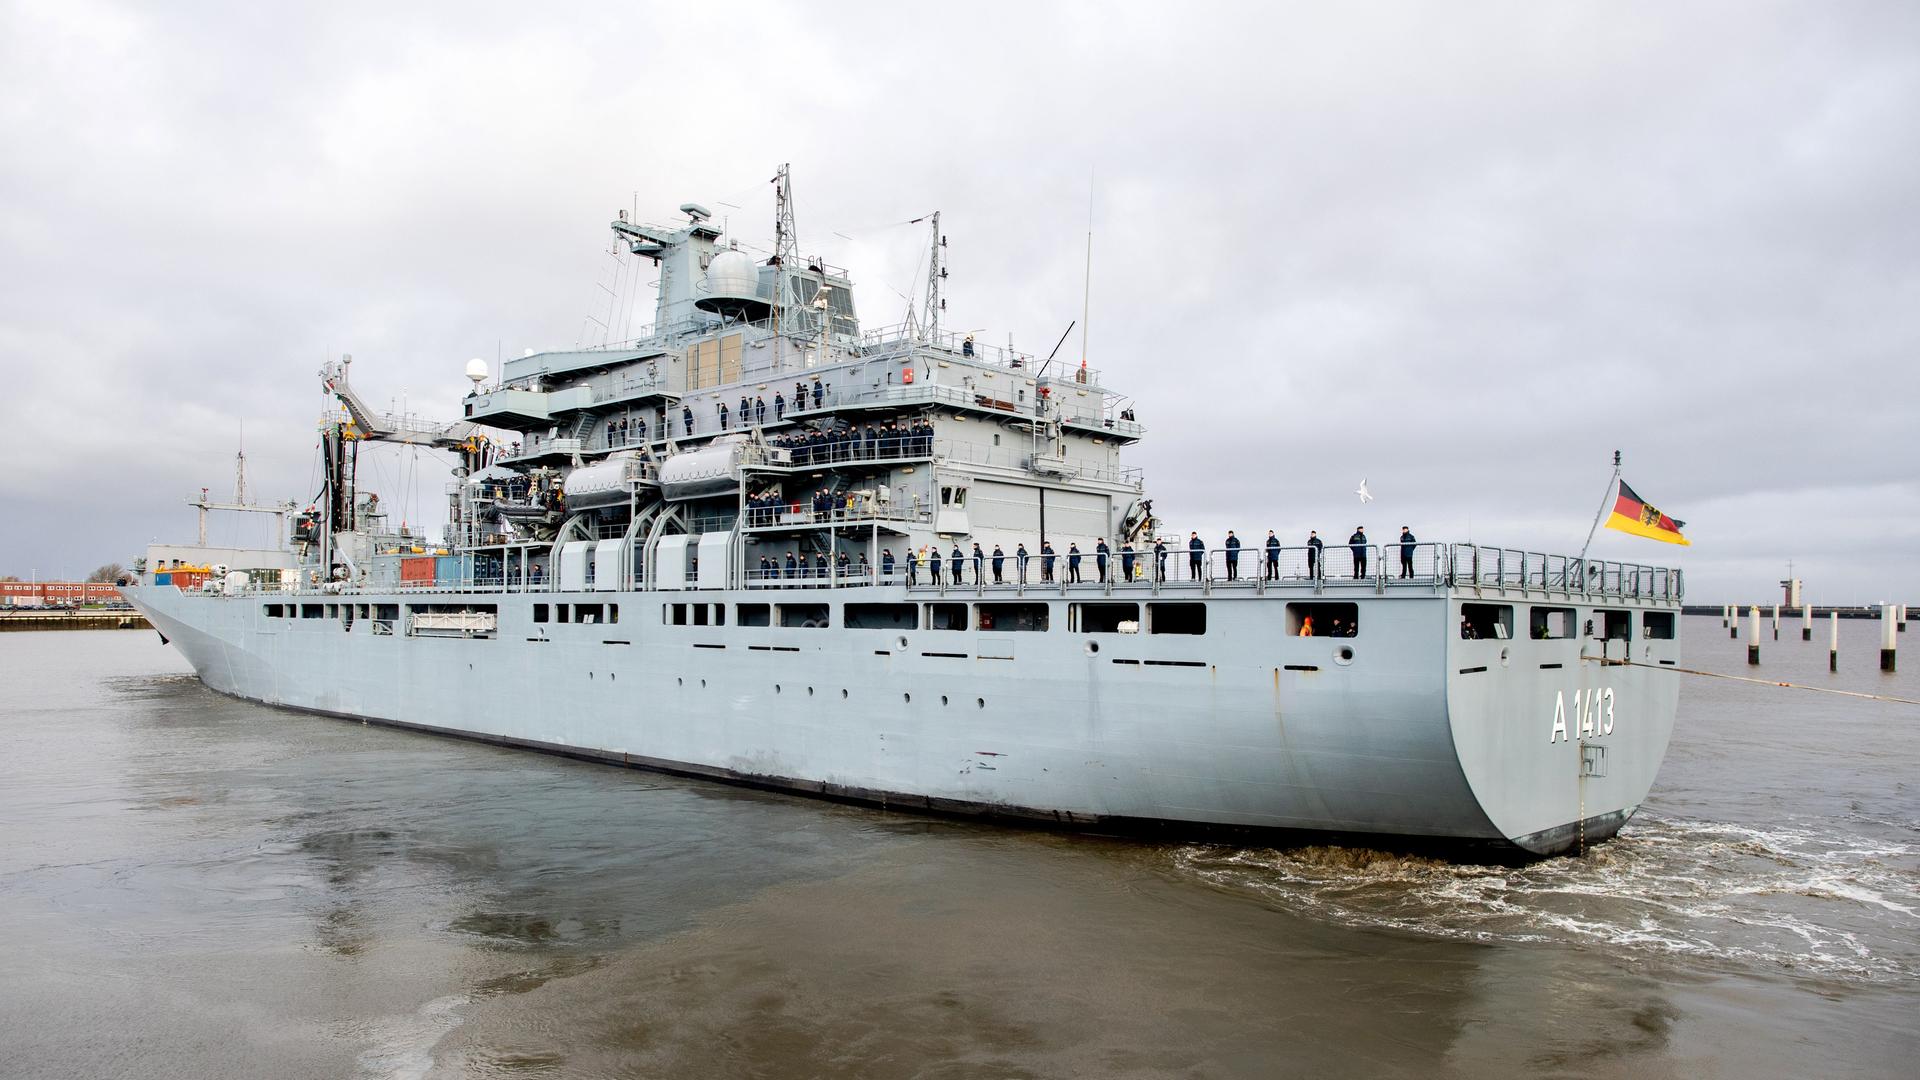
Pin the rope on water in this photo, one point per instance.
(1760, 682)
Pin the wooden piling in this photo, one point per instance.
(1887, 631)
(1753, 643)
(1833, 641)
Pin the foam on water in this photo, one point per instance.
(1795, 898)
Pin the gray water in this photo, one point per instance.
(192, 886)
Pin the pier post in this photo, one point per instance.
(1806, 622)
(1776, 622)
(1726, 614)
(1887, 631)
(1753, 643)
(1733, 621)
(1902, 624)
(1833, 641)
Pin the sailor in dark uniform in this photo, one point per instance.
(686, 418)
(1100, 553)
(779, 406)
(955, 565)
(1073, 563)
(1046, 560)
(723, 414)
(999, 563)
(1126, 561)
(759, 409)
(1406, 552)
(886, 562)
(979, 564)
(1020, 562)
(1273, 556)
(1233, 556)
(1159, 560)
(1357, 543)
(1314, 545)
(1196, 555)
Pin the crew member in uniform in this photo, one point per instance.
(1073, 563)
(979, 564)
(1233, 556)
(999, 562)
(1160, 560)
(1406, 552)
(1314, 545)
(1273, 556)
(1020, 561)
(1100, 553)
(1046, 560)
(1357, 543)
(1196, 555)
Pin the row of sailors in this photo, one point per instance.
(1133, 564)
(769, 507)
(888, 440)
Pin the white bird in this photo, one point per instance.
(1365, 495)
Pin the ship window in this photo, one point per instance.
(562, 612)
(539, 613)
(1323, 619)
(1012, 616)
(389, 612)
(1617, 625)
(1176, 618)
(1551, 623)
(1486, 622)
(1657, 625)
(310, 611)
(719, 614)
(333, 611)
(673, 614)
(699, 614)
(1104, 618)
(271, 611)
(588, 613)
(752, 614)
(946, 616)
(881, 617)
(810, 616)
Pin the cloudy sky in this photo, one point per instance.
(1464, 251)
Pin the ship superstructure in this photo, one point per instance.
(764, 544)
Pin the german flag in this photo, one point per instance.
(1632, 514)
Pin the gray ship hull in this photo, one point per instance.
(1408, 729)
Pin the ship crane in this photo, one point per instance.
(370, 426)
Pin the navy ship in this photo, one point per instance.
(763, 544)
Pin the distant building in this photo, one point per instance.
(1791, 586)
(44, 593)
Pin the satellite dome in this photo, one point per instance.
(733, 285)
(477, 370)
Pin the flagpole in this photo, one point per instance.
(1603, 509)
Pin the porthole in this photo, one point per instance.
(1503, 658)
(907, 698)
(809, 691)
(943, 699)
(1092, 647)
(981, 702)
(776, 688)
(679, 681)
(901, 641)
(703, 684)
(1343, 655)
(843, 693)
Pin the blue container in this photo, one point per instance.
(162, 579)
(451, 570)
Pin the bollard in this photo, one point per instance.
(1833, 641)
(1726, 614)
(1733, 624)
(1776, 622)
(1806, 622)
(1753, 644)
(1887, 631)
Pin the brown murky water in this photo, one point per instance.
(196, 887)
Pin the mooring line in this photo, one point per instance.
(1605, 661)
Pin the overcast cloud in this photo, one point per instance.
(1465, 251)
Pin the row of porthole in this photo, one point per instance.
(906, 698)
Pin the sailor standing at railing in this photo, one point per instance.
(1357, 543)
(1406, 552)
(1233, 556)
(1314, 545)
(955, 566)
(1273, 556)
(1020, 562)
(1196, 555)
(999, 562)
(1101, 551)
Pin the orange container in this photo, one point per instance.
(417, 571)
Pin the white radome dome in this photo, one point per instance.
(733, 273)
(477, 370)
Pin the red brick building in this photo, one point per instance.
(44, 593)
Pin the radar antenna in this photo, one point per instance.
(788, 315)
(934, 304)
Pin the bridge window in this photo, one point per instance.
(1323, 619)
(1551, 623)
(881, 616)
(1012, 616)
(1176, 618)
(752, 614)
(540, 613)
(1486, 622)
(1104, 618)
(1657, 625)
(1616, 625)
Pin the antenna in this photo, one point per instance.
(1086, 294)
(240, 468)
(936, 273)
(786, 245)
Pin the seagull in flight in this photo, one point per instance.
(1365, 495)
